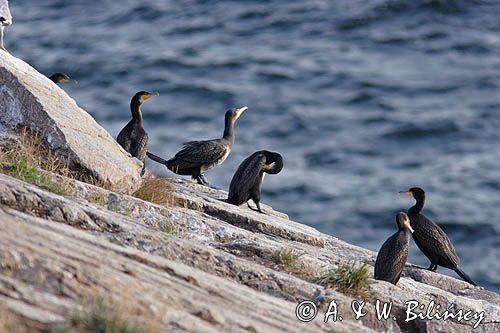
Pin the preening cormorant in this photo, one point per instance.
(61, 78)
(431, 239)
(391, 257)
(133, 138)
(5, 19)
(196, 157)
(248, 178)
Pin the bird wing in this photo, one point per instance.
(434, 240)
(196, 153)
(391, 258)
(139, 145)
(245, 177)
(123, 137)
(5, 12)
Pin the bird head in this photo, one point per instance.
(235, 113)
(274, 162)
(61, 78)
(143, 96)
(415, 192)
(403, 221)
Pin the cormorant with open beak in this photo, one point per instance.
(133, 138)
(391, 257)
(196, 157)
(247, 180)
(431, 239)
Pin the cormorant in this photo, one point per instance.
(133, 138)
(391, 257)
(431, 239)
(196, 157)
(247, 180)
(61, 78)
(5, 19)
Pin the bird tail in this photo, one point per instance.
(464, 276)
(156, 158)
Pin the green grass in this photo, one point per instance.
(169, 228)
(97, 199)
(29, 161)
(26, 170)
(284, 257)
(349, 278)
(102, 317)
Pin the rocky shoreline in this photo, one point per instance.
(185, 261)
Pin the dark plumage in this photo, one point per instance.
(391, 257)
(196, 157)
(431, 239)
(61, 78)
(133, 138)
(247, 180)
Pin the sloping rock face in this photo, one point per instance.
(29, 99)
(202, 264)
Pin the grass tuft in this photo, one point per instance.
(97, 198)
(158, 191)
(349, 278)
(284, 257)
(102, 316)
(169, 228)
(27, 160)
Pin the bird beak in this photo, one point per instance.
(149, 95)
(408, 193)
(411, 229)
(240, 111)
(71, 80)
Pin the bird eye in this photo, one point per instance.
(2, 19)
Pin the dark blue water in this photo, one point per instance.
(363, 99)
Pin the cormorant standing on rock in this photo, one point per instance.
(247, 180)
(391, 257)
(431, 239)
(61, 78)
(196, 157)
(133, 138)
(5, 19)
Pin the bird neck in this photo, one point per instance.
(229, 131)
(135, 107)
(274, 163)
(417, 208)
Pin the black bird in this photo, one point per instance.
(196, 157)
(61, 78)
(133, 138)
(391, 257)
(247, 180)
(431, 239)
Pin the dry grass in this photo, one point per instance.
(348, 278)
(31, 162)
(102, 315)
(10, 323)
(158, 191)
